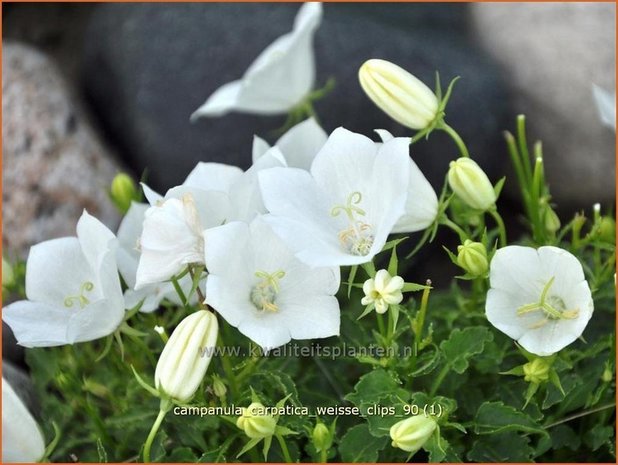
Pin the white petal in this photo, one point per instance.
(517, 270)
(222, 101)
(259, 148)
(421, 206)
(95, 239)
(384, 135)
(152, 196)
(501, 310)
(129, 232)
(212, 176)
(22, 441)
(301, 143)
(606, 104)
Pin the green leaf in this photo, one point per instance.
(563, 436)
(374, 385)
(436, 447)
(495, 417)
(182, 454)
(598, 436)
(462, 345)
(500, 448)
(393, 263)
(351, 277)
(413, 287)
(359, 445)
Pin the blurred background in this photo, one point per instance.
(92, 89)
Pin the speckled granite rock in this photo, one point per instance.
(552, 54)
(54, 165)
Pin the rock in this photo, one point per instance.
(552, 54)
(54, 165)
(159, 62)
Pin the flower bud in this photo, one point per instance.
(550, 219)
(470, 184)
(186, 356)
(607, 230)
(218, 387)
(8, 276)
(255, 423)
(537, 371)
(410, 434)
(322, 439)
(398, 93)
(123, 191)
(607, 375)
(472, 257)
(22, 440)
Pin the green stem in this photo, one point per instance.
(438, 381)
(228, 370)
(463, 150)
(284, 448)
(581, 414)
(380, 324)
(165, 407)
(460, 232)
(501, 228)
(324, 455)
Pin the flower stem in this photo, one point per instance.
(228, 370)
(284, 448)
(463, 150)
(450, 224)
(438, 381)
(165, 407)
(501, 228)
(323, 455)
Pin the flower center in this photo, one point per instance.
(357, 238)
(264, 292)
(80, 298)
(551, 306)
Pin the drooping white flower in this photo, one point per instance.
(128, 255)
(258, 286)
(422, 203)
(538, 297)
(22, 441)
(280, 77)
(383, 290)
(299, 145)
(73, 289)
(342, 212)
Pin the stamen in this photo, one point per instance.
(80, 298)
(552, 307)
(357, 238)
(263, 293)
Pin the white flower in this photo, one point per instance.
(258, 286)
(422, 203)
(383, 290)
(606, 106)
(538, 297)
(22, 441)
(299, 145)
(73, 289)
(343, 211)
(186, 356)
(128, 256)
(280, 77)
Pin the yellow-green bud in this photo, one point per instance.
(471, 184)
(218, 387)
(186, 356)
(472, 257)
(537, 371)
(607, 375)
(123, 192)
(322, 439)
(255, 423)
(8, 276)
(550, 219)
(607, 230)
(398, 93)
(412, 433)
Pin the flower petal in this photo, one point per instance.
(301, 143)
(421, 206)
(212, 176)
(222, 101)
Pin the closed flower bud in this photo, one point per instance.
(470, 184)
(255, 423)
(398, 93)
(550, 219)
(8, 276)
(322, 439)
(537, 371)
(123, 192)
(218, 387)
(22, 440)
(412, 433)
(607, 230)
(472, 257)
(186, 356)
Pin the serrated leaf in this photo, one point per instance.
(495, 417)
(374, 385)
(501, 448)
(462, 345)
(359, 445)
(436, 447)
(598, 435)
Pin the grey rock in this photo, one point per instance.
(552, 54)
(159, 62)
(54, 165)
